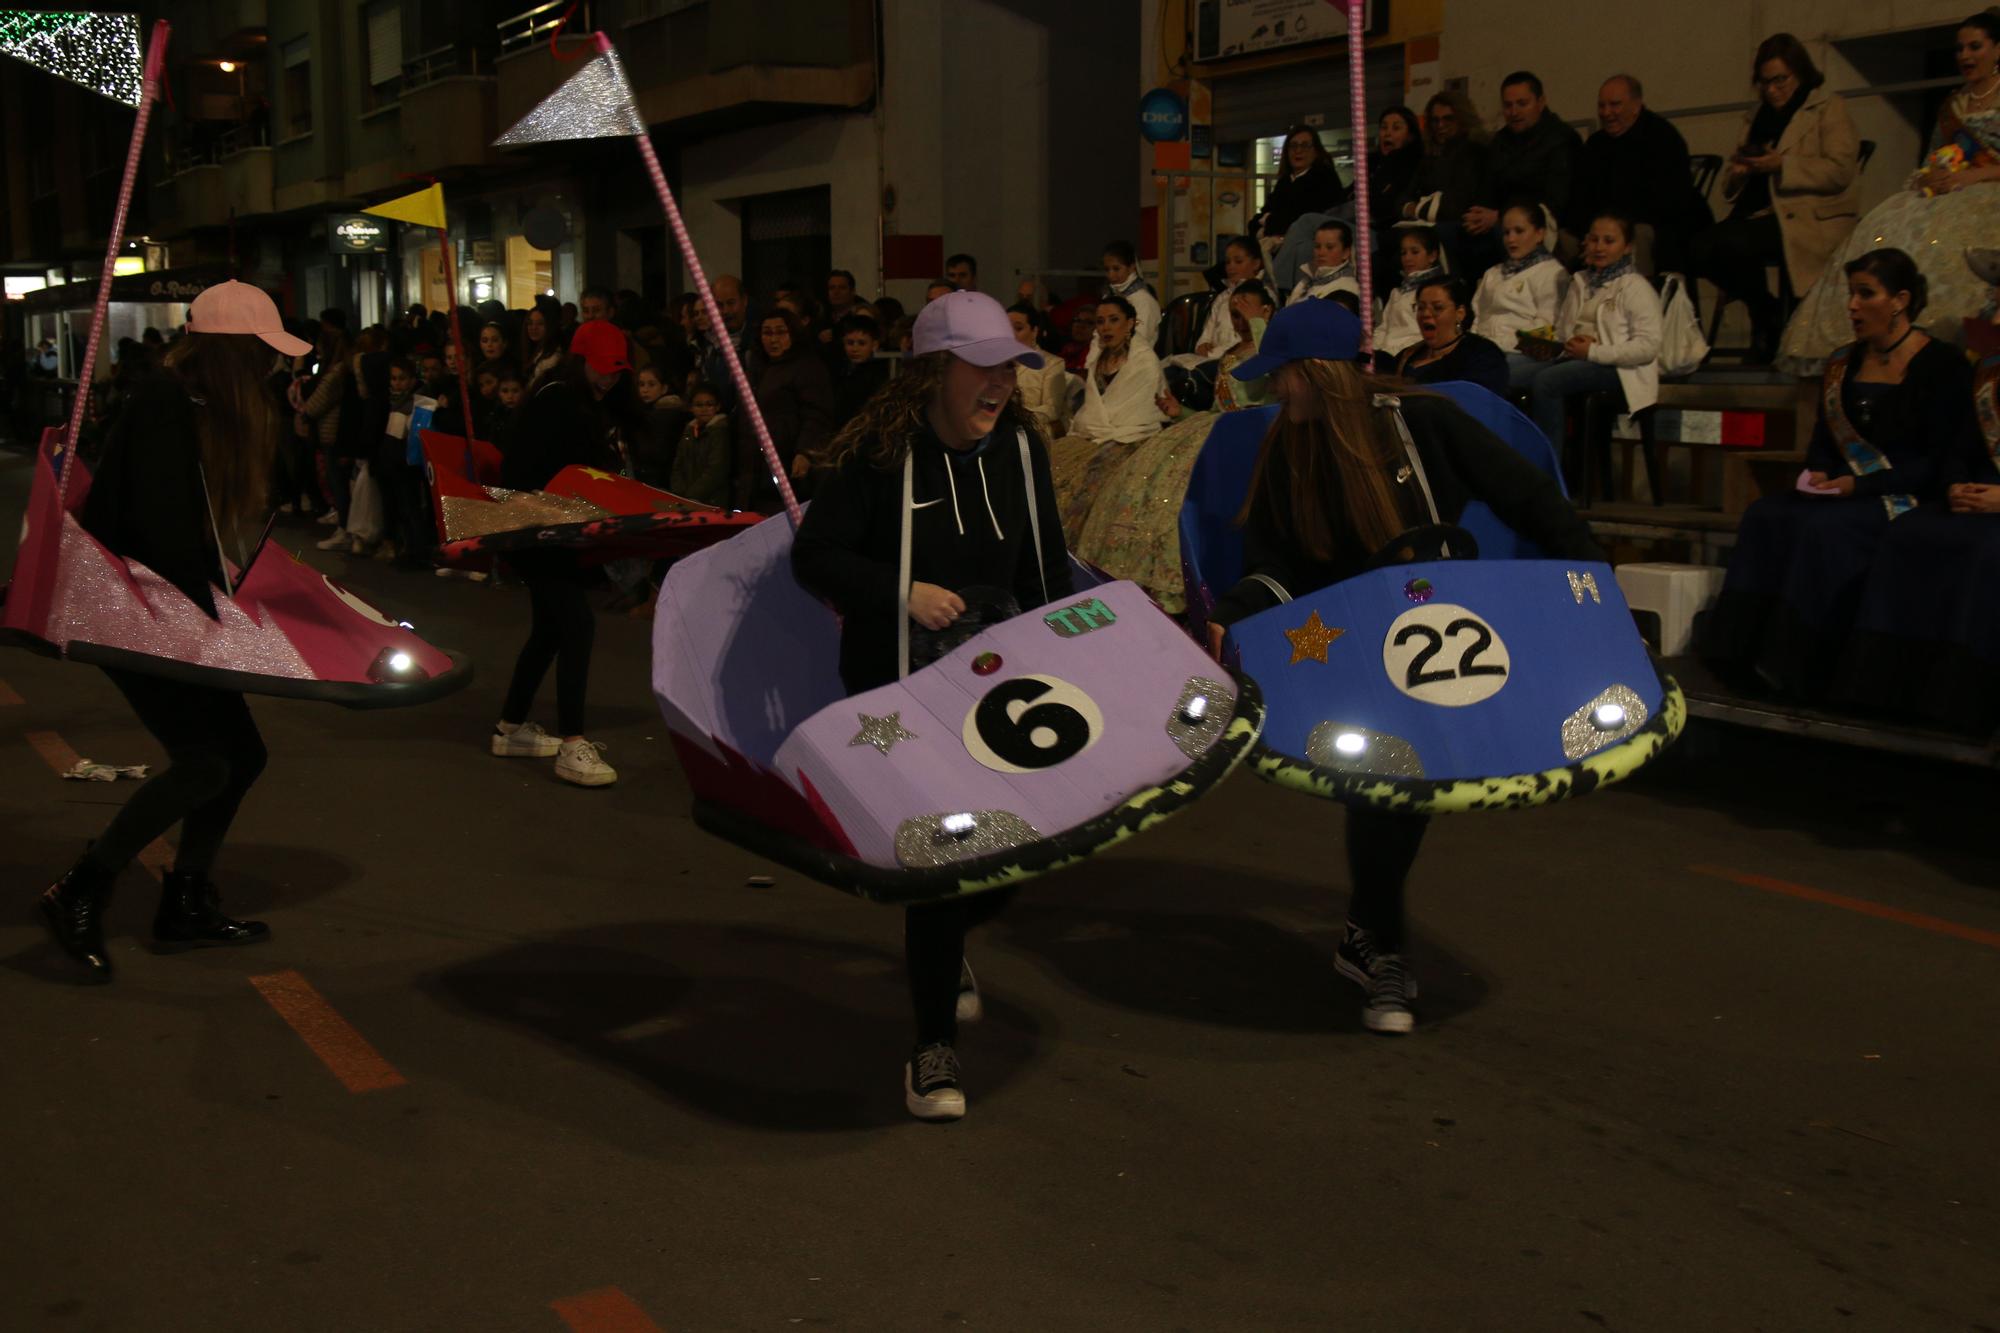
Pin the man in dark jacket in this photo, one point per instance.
(1637, 164)
(1532, 157)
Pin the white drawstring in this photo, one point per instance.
(953, 483)
(985, 490)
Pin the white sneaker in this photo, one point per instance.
(330, 519)
(527, 741)
(970, 1010)
(582, 762)
(338, 541)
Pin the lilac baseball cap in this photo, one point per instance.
(973, 327)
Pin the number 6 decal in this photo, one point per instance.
(1445, 655)
(1030, 723)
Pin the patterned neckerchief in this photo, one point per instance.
(1597, 277)
(1511, 267)
(1412, 281)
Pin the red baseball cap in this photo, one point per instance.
(602, 346)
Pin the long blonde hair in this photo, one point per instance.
(236, 423)
(1340, 464)
(883, 430)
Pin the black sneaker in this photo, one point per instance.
(930, 1083)
(1389, 996)
(1361, 960)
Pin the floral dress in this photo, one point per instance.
(1133, 531)
(1934, 231)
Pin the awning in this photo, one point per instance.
(158, 287)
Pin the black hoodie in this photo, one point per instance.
(971, 529)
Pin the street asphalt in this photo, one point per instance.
(1715, 1050)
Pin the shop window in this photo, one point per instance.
(530, 273)
(298, 88)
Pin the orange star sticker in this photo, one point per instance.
(1309, 641)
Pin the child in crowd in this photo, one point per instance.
(859, 374)
(702, 458)
(1121, 275)
(388, 463)
(1419, 249)
(1523, 291)
(1332, 267)
(1609, 324)
(507, 391)
(665, 417)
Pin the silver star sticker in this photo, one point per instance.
(882, 732)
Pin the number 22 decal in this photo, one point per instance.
(1412, 650)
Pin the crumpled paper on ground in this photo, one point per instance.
(85, 770)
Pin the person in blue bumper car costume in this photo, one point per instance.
(1354, 467)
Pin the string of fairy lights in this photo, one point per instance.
(95, 51)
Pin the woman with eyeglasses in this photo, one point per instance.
(1792, 180)
(1953, 201)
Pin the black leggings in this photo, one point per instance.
(934, 951)
(214, 754)
(1381, 847)
(1733, 255)
(563, 630)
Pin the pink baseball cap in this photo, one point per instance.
(973, 327)
(237, 307)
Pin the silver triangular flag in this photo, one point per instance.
(95, 51)
(593, 103)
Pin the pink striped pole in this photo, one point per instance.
(156, 57)
(1364, 240)
(721, 331)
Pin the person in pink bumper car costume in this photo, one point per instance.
(183, 484)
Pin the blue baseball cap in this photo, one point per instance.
(1308, 330)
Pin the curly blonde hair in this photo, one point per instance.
(883, 430)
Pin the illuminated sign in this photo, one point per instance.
(356, 234)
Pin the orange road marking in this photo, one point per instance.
(332, 1038)
(54, 750)
(606, 1310)
(8, 697)
(1935, 924)
(158, 855)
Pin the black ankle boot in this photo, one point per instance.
(73, 910)
(191, 915)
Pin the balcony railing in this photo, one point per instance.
(521, 32)
(445, 62)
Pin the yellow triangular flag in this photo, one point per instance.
(425, 207)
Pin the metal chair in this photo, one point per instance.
(1180, 323)
(1705, 167)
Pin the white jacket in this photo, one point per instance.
(1531, 299)
(1311, 284)
(1396, 325)
(1219, 330)
(1628, 334)
(1045, 393)
(1145, 308)
(1127, 413)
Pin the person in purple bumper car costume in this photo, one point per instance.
(948, 451)
(183, 485)
(1337, 487)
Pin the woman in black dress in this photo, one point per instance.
(1895, 412)
(183, 486)
(1450, 350)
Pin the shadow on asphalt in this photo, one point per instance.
(1213, 945)
(1842, 795)
(766, 1029)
